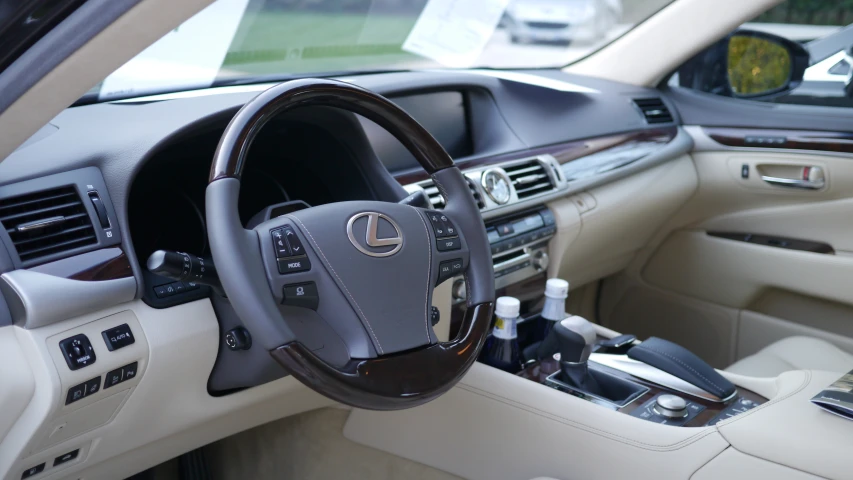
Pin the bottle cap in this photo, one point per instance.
(507, 307)
(556, 288)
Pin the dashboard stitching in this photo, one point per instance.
(326, 261)
(429, 274)
(566, 421)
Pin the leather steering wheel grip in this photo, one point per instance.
(387, 382)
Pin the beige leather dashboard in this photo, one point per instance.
(165, 411)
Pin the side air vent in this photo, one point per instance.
(478, 199)
(653, 110)
(529, 179)
(434, 195)
(46, 223)
(437, 200)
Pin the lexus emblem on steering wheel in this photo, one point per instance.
(371, 244)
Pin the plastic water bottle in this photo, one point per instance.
(501, 349)
(556, 293)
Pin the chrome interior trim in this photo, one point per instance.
(654, 375)
(39, 224)
(680, 145)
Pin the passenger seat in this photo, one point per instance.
(794, 353)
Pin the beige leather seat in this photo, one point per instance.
(794, 353)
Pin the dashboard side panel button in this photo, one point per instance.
(77, 392)
(66, 458)
(293, 264)
(77, 351)
(118, 337)
(130, 371)
(93, 386)
(114, 377)
(33, 471)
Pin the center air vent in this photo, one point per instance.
(653, 110)
(437, 200)
(46, 223)
(529, 179)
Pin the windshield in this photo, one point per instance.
(251, 41)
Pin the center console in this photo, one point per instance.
(610, 378)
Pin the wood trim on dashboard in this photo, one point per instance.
(95, 266)
(821, 141)
(563, 152)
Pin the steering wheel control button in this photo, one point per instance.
(66, 458)
(293, 264)
(279, 242)
(434, 316)
(441, 225)
(118, 337)
(293, 241)
(77, 351)
(303, 295)
(33, 471)
(449, 268)
(446, 244)
(238, 339)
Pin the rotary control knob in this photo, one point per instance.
(671, 406)
(540, 261)
(458, 291)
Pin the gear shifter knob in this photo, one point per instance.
(576, 336)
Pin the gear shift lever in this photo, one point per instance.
(576, 337)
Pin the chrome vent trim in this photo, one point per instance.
(529, 178)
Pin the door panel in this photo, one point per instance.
(725, 298)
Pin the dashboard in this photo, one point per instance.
(133, 174)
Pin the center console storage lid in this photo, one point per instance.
(791, 431)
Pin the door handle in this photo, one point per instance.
(807, 177)
(794, 182)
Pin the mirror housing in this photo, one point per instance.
(746, 64)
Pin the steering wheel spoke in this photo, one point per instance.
(341, 294)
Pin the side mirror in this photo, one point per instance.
(746, 64)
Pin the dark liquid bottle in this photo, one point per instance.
(501, 349)
(556, 292)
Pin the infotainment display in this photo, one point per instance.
(443, 114)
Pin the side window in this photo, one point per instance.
(800, 51)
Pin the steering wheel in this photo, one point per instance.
(341, 294)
